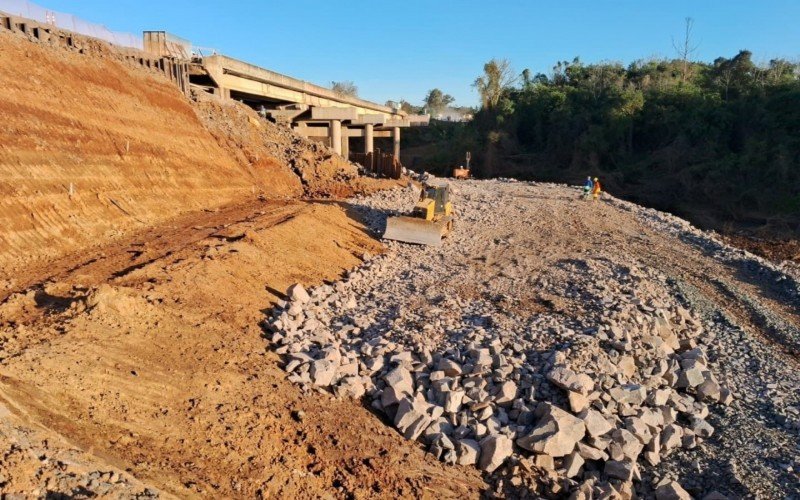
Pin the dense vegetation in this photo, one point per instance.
(718, 143)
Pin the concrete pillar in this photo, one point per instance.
(396, 142)
(222, 93)
(369, 143)
(345, 143)
(336, 136)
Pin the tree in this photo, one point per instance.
(780, 71)
(529, 81)
(409, 108)
(436, 101)
(685, 49)
(693, 137)
(345, 88)
(723, 74)
(737, 73)
(497, 77)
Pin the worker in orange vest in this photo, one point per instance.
(597, 189)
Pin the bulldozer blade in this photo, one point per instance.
(413, 230)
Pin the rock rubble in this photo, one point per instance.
(580, 399)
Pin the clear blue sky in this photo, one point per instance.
(401, 49)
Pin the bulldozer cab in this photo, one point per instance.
(434, 201)
(440, 194)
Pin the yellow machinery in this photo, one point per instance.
(460, 173)
(429, 221)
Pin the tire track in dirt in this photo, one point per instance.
(163, 371)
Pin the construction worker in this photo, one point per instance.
(597, 189)
(587, 187)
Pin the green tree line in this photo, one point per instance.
(717, 142)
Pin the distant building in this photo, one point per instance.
(454, 115)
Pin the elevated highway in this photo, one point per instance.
(237, 78)
(311, 110)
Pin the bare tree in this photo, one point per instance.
(497, 77)
(685, 48)
(725, 79)
(345, 89)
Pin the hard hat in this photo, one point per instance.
(595, 178)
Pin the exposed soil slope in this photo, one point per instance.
(252, 141)
(118, 227)
(91, 148)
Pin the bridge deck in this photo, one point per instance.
(239, 76)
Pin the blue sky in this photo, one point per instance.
(401, 49)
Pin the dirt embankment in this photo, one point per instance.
(92, 148)
(253, 141)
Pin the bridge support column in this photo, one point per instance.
(222, 93)
(336, 136)
(369, 135)
(345, 143)
(396, 142)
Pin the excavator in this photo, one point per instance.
(430, 220)
(462, 172)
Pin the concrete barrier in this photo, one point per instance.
(175, 70)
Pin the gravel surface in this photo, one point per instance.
(565, 346)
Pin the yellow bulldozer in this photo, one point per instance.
(430, 220)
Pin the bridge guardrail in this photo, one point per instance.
(30, 10)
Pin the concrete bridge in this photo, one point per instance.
(313, 111)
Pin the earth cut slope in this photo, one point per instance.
(91, 148)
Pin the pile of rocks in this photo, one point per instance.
(578, 402)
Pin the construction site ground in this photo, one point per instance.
(145, 357)
(140, 367)
(145, 238)
(143, 234)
